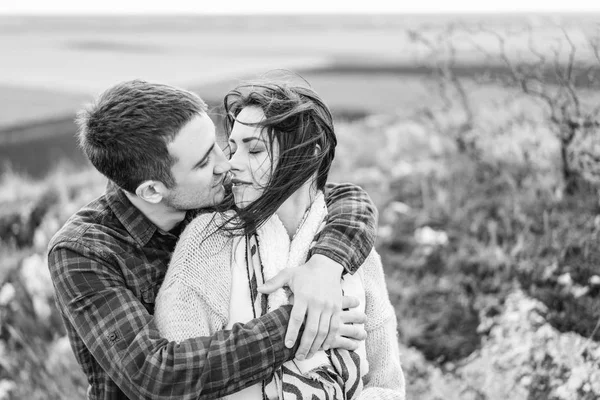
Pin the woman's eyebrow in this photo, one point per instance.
(248, 139)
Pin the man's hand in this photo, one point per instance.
(318, 297)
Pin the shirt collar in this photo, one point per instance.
(134, 221)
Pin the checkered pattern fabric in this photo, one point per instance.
(107, 264)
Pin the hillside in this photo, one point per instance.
(490, 265)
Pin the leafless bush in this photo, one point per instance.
(441, 58)
(555, 71)
(552, 64)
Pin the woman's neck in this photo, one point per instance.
(291, 212)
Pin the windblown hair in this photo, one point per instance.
(298, 119)
(126, 131)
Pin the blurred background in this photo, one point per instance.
(475, 134)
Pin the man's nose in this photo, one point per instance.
(222, 164)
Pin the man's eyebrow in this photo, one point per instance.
(199, 163)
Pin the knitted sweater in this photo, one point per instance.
(195, 296)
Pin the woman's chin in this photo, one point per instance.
(239, 202)
(243, 199)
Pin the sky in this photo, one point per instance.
(61, 7)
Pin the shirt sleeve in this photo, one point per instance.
(351, 228)
(122, 336)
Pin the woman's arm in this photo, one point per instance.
(385, 379)
(181, 313)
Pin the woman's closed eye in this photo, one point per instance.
(254, 150)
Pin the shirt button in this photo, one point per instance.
(112, 336)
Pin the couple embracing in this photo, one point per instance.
(204, 275)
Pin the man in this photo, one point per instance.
(156, 145)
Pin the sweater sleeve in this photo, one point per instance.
(182, 313)
(182, 310)
(385, 379)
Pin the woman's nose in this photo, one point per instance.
(235, 161)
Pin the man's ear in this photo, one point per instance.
(151, 191)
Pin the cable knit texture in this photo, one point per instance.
(385, 379)
(196, 293)
(194, 301)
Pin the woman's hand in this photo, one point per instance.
(352, 330)
(318, 298)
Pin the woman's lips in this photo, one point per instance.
(227, 179)
(238, 182)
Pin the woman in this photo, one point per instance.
(282, 145)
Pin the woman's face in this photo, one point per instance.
(251, 162)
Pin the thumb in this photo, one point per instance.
(278, 281)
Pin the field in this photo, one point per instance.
(491, 260)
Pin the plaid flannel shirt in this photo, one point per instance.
(107, 264)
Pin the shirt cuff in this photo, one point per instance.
(276, 324)
(338, 258)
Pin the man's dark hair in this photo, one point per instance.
(298, 119)
(126, 131)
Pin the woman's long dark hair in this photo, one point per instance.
(298, 119)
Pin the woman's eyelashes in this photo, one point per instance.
(253, 151)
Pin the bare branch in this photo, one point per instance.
(569, 78)
(595, 45)
(564, 88)
(473, 42)
(533, 48)
(418, 37)
(571, 63)
(542, 94)
(587, 342)
(524, 80)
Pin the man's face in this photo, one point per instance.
(251, 163)
(200, 168)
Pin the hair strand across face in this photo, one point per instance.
(302, 125)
